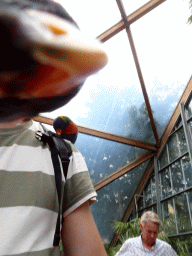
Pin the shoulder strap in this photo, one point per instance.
(64, 150)
(58, 147)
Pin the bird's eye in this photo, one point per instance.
(56, 30)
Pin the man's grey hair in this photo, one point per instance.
(150, 216)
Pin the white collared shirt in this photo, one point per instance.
(135, 247)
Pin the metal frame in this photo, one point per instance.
(138, 191)
(185, 190)
(157, 187)
(155, 149)
(175, 116)
(186, 131)
(187, 136)
(163, 141)
(124, 170)
(149, 155)
(130, 37)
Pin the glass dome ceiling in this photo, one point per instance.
(123, 110)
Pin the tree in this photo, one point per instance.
(114, 198)
(190, 7)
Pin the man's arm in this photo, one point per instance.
(80, 235)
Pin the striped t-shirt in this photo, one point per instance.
(28, 195)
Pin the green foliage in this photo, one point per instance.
(127, 229)
(61, 247)
(112, 251)
(168, 225)
(180, 247)
(132, 229)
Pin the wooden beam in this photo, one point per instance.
(116, 138)
(175, 115)
(138, 68)
(130, 19)
(143, 87)
(137, 192)
(111, 32)
(123, 170)
(44, 120)
(103, 135)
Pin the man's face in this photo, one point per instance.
(149, 232)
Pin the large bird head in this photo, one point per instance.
(45, 59)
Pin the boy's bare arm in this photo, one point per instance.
(80, 235)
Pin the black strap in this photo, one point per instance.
(58, 181)
(60, 148)
(64, 150)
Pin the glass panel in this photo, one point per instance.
(131, 217)
(190, 201)
(162, 211)
(139, 126)
(173, 129)
(163, 161)
(165, 183)
(182, 140)
(113, 200)
(148, 196)
(112, 99)
(169, 224)
(152, 173)
(190, 127)
(140, 202)
(173, 147)
(149, 208)
(189, 109)
(155, 208)
(187, 170)
(182, 245)
(103, 157)
(85, 13)
(182, 213)
(140, 214)
(164, 90)
(179, 122)
(153, 190)
(177, 177)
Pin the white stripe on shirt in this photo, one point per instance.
(16, 158)
(91, 197)
(17, 236)
(77, 165)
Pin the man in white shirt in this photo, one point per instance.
(147, 243)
